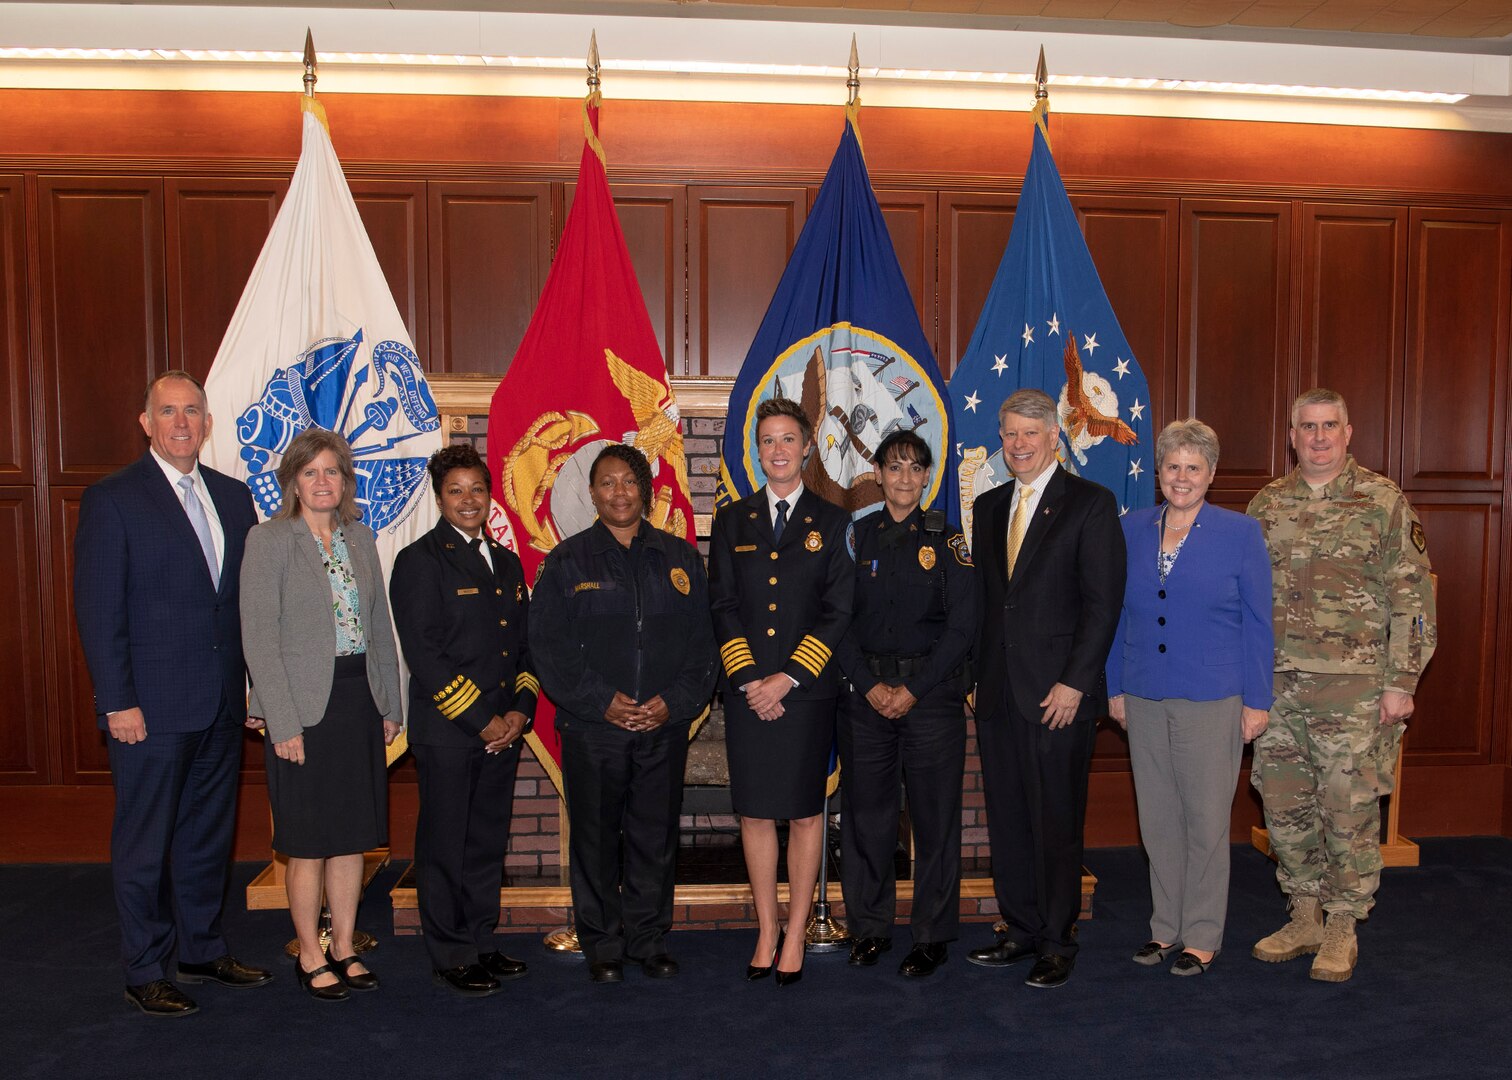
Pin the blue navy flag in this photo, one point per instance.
(842, 337)
(1047, 323)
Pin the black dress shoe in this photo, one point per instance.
(1189, 964)
(865, 951)
(503, 967)
(1003, 954)
(361, 982)
(922, 960)
(1050, 971)
(753, 972)
(469, 980)
(788, 978)
(607, 971)
(334, 992)
(227, 970)
(161, 998)
(660, 966)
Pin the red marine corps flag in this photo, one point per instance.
(589, 372)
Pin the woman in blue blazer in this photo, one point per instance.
(1189, 677)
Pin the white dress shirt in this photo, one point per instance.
(217, 534)
(482, 547)
(791, 498)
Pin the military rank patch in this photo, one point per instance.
(813, 541)
(960, 550)
(927, 557)
(1419, 538)
(680, 581)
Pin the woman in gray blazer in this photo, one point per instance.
(325, 680)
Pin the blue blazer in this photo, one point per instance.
(1206, 633)
(157, 633)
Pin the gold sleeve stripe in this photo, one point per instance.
(736, 654)
(460, 702)
(734, 645)
(810, 655)
(526, 681)
(819, 646)
(808, 664)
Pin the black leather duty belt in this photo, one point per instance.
(895, 667)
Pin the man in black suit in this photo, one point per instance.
(157, 562)
(1050, 566)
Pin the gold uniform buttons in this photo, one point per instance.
(503, 622)
(771, 632)
(771, 581)
(498, 592)
(771, 607)
(774, 555)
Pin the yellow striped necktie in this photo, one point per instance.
(1018, 527)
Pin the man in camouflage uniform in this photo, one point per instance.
(1355, 626)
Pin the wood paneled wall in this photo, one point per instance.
(1246, 262)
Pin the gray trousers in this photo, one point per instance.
(1185, 756)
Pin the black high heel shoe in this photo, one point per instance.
(365, 981)
(753, 972)
(785, 978)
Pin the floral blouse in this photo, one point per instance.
(350, 640)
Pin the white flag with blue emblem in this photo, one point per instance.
(317, 340)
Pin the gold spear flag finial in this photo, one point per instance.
(853, 82)
(309, 63)
(593, 60)
(1041, 78)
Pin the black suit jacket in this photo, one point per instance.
(157, 633)
(464, 635)
(781, 606)
(1055, 621)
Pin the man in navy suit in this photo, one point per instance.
(157, 559)
(1050, 565)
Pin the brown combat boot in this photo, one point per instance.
(1297, 938)
(1336, 958)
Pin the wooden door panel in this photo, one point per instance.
(84, 758)
(739, 240)
(974, 229)
(1453, 718)
(1234, 332)
(394, 214)
(103, 332)
(16, 433)
(216, 229)
(490, 251)
(1457, 311)
(1135, 246)
(23, 687)
(1354, 275)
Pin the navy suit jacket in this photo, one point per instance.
(1054, 621)
(1205, 633)
(157, 633)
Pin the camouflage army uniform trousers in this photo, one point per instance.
(1321, 768)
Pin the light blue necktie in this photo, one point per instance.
(781, 522)
(201, 523)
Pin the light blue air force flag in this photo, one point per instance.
(842, 338)
(1047, 323)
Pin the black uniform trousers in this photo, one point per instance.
(461, 835)
(1035, 782)
(926, 750)
(170, 844)
(624, 794)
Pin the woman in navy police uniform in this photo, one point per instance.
(780, 580)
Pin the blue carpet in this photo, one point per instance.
(1429, 999)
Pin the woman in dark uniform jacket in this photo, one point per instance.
(781, 580)
(626, 651)
(903, 717)
(460, 607)
(325, 680)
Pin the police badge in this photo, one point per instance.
(927, 557)
(813, 541)
(680, 580)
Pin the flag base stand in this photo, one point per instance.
(563, 940)
(825, 934)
